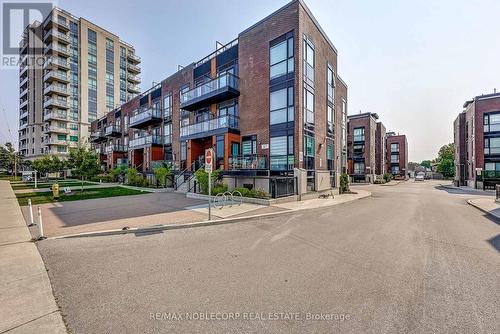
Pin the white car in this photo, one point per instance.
(419, 177)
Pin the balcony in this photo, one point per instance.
(133, 89)
(56, 89)
(133, 68)
(57, 49)
(23, 125)
(116, 149)
(23, 81)
(250, 162)
(53, 102)
(55, 22)
(209, 128)
(55, 63)
(23, 114)
(222, 88)
(23, 91)
(113, 131)
(56, 141)
(133, 58)
(98, 136)
(133, 79)
(55, 129)
(54, 35)
(55, 76)
(145, 141)
(145, 118)
(23, 103)
(56, 115)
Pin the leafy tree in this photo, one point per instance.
(83, 163)
(9, 158)
(43, 165)
(446, 160)
(426, 164)
(202, 178)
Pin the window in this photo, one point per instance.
(330, 84)
(330, 156)
(495, 166)
(358, 150)
(394, 158)
(359, 168)
(281, 153)
(249, 145)
(394, 147)
(167, 105)
(73, 138)
(309, 146)
(492, 145)
(491, 122)
(281, 106)
(281, 58)
(235, 149)
(359, 134)
(395, 169)
(330, 118)
(308, 106)
(168, 133)
(308, 61)
(219, 148)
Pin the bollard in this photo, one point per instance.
(32, 223)
(40, 224)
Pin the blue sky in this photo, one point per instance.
(412, 62)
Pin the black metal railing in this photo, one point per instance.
(282, 186)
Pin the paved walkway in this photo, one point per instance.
(487, 205)
(27, 304)
(72, 187)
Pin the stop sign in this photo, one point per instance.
(208, 160)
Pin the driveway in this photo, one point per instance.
(412, 258)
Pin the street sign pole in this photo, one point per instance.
(208, 168)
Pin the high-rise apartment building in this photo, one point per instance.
(72, 72)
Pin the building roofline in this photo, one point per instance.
(363, 115)
(286, 6)
(481, 97)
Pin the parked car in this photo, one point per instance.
(420, 177)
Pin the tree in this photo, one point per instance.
(83, 163)
(446, 160)
(161, 174)
(10, 160)
(49, 164)
(426, 164)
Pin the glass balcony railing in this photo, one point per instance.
(116, 148)
(216, 90)
(223, 122)
(145, 118)
(146, 140)
(113, 129)
(247, 162)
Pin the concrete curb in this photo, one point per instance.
(223, 221)
(470, 202)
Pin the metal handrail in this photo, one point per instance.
(183, 174)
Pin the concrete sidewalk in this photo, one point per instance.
(487, 205)
(27, 303)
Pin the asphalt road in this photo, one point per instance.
(413, 258)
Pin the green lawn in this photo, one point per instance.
(76, 195)
(62, 184)
(11, 178)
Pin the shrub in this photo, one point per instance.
(379, 181)
(245, 192)
(387, 177)
(161, 174)
(219, 189)
(260, 193)
(344, 183)
(102, 178)
(202, 179)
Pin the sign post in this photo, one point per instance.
(208, 168)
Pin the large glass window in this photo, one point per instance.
(281, 106)
(330, 156)
(167, 105)
(249, 145)
(491, 122)
(359, 134)
(281, 153)
(308, 61)
(281, 58)
(308, 106)
(394, 147)
(492, 145)
(359, 168)
(330, 84)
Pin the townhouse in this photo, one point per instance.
(477, 142)
(271, 103)
(397, 155)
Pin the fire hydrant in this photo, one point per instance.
(55, 191)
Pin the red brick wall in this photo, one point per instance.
(403, 153)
